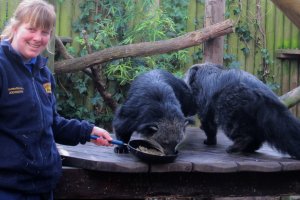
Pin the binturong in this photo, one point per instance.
(246, 109)
(157, 108)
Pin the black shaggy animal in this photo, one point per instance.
(156, 108)
(246, 110)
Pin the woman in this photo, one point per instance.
(30, 164)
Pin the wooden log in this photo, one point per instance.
(291, 8)
(291, 98)
(145, 48)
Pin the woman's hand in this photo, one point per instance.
(103, 137)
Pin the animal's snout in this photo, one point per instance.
(170, 150)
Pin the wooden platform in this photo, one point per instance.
(199, 171)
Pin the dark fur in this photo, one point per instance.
(246, 110)
(156, 108)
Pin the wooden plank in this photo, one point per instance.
(200, 15)
(191, 27)
(241, 44)
(193, 156)
(278, 45)
(3, 18)
(11, 6)
(294, 37)
(287, 33)
(260, 35)
(51, 48)
(259, 166)
(263, 25)
(58, 13)
(290, 166)
(208, 161)
(87, 184)
(293, 81)
(250, 58)
(232, 40)
(65, 17)
(200, 171)
(285, 85)
(288, 53)
(270, 14)
(279, 29)
(91, 157)
(286, 64)
(185, 166)
(294, 64)
(75, 17)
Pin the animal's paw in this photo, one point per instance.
(232, 149)
(210, 141)
(120, 150)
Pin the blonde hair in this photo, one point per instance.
(38, 13)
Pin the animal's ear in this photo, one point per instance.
(190, 75)
(148, 128)
(127, 111)
(193, 72)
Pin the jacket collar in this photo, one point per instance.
(10, 51)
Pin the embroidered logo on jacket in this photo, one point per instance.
(47, 87)
(16, 90)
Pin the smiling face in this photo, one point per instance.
(30, 41)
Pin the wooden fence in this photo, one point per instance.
(272, 31)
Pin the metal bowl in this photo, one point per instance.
(134, 149)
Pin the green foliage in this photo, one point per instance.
(60, 1)
(152, 28)
(242, 30)
(68, 100)
(230, 60)
(110, 23)
(247, 31)
(266, 56)
(178, 12)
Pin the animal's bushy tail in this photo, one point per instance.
(281, 128)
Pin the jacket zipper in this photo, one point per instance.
(39, 100)
(41, 111)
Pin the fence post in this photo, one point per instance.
(214, 13)
(50, 54)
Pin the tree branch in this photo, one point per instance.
(291, 98)
(61, 50)
(96, 76)
(145, 48)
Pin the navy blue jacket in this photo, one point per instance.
(30, 125)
